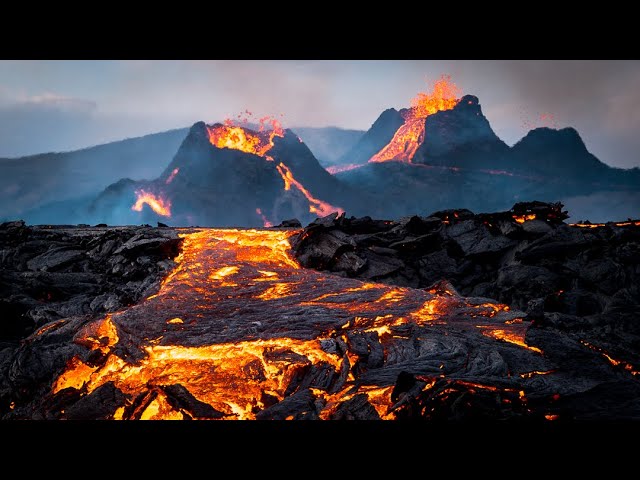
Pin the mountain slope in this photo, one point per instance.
(29, 182)
(258, 178)
(461, 163)
(380, 133)
(328, 144)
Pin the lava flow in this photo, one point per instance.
(240, 138)
(410, 135)
(259, 143)
(157, 203)
(238, 328)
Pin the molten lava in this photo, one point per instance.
(236, 137)
(259, 143)
(404, 144)
(515, 335)
(237, 323)
(628, 223)
(315, 206)
(615, 362)
(524, 218)
(157, 203)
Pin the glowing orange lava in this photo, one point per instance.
(515, 336)
(629, 223)
(615, 362)
(158, 204)
(524, 218)
(259, 143)
(315, 206)
(228, 279)
(404, 144)
(240, 138)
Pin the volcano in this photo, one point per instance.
(442, 152)
(439, 153)
(229, 175)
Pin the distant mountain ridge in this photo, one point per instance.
(461, 163)
(27, 184)
(30, 182)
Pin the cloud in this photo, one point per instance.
(50, 100)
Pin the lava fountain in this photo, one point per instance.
(443, 96)
(235, 137)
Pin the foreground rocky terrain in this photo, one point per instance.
(581, 278)
(456, 316)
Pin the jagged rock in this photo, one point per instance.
(50, 273)
(54, 259)
(181, 399)
(536, 227)
(136, 245)
(100, 404)
(291, 223)
(579, 280)
(350, 263)
(308, 345)
(291, 407)
(357, 408)
(378, 266)
(327, 221)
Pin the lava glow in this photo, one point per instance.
(315, 206)
(237, 322)
(243, 139)
(628, 223)
(157, 203)
(515, 336)
(615, 362)
(404, 144)
(524, 218)
(259, 143)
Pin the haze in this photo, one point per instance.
(66, 105)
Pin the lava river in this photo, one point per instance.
(239, 331)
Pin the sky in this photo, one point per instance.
(59, 105)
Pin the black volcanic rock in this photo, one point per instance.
(581, 280)
(438, 356)
(380, 133)
(49, 274)
(581, 291)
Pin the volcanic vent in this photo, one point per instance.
(227, 174)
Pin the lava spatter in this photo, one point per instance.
(411, 134)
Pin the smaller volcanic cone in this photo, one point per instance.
(227, 174)
(404, 144)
